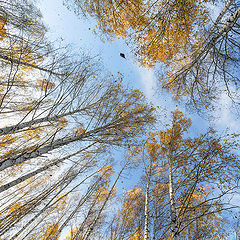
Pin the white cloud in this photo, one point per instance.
(235, 199)
(152, 90)
(225, 116)
(148, 82)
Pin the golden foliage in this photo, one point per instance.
(3, 31)
(133, 200)
(49, 231)
(45, 84)
(138, 234)
(14, 207)
(101, 194)
(71, 234)
(80, 131)
(106, 171)
(159, 31)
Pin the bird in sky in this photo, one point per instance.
(122, 55)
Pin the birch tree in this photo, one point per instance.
(156, 30)
(187, 185)
(59, 112)
(198, 51)
(211, 69)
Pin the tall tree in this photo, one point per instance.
(59, 112)
(201, 59)
(187, 183)
(211, 68)
(158, 29)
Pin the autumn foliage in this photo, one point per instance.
(72, 135)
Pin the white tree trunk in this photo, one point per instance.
(48, 205)
(19, 62)
(28, 124)
(87, 195)
(42, 169)
(146, 211)
(155, 220)
(173, 213)
(39, 151)
(210, 41)
(22, 157)
(87, 235)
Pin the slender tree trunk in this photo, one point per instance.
(146, 209)
(227, 26)
(19, 62)
(203, 51)
(27, 176)
(9, 160)
(48, 205)
(173, 213)
(20, 126)
(80, 203)
(29, 208)
(39, 151)
(42, 169)
(154, 220)
(81, 228)
(22, 157)
(219, 18)
(87, 235)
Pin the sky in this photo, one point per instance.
(68, 28)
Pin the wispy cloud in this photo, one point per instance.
(148, 82)
(153, 91)
(225, 116)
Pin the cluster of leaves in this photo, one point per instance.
(60, 113)
(185, 187)
(200, 60)
(56, 123)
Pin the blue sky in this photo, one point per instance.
(70, 29)
(65, 26)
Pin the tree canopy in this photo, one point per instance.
(199, 52)
(71, 133)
